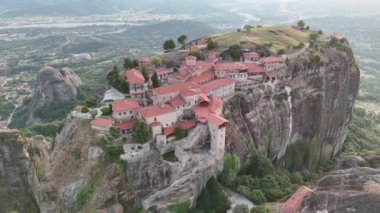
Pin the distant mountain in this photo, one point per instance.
(11, 8)
(172, 29)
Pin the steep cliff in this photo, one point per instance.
(314, 101)
(21, 165)
(53, 85)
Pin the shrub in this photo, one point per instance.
(260, 166)
(84, 193)
(106, 111)
(179, 133)
(113, 152)
(256, 196)
(230, 170)
(241, 209)
(281, 52)
(211, 45)
(235, 52)
(260, 209)
(212, 198)
(84, 109)
(91, 102)
(296, 178)
(181, 207)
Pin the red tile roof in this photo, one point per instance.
(272, 59)
(294, 203)
(134, 76)
(151, 111)
(154, 124)
(215, 104)
(203, 66)
(216, 119)
(229, 66)
(204, 77)
(124, 125)
(183, 124)
(251, 55)
(203, 97)
(274, 74)
(216, 84)
(189, 92)
(102, 122)
(163, 72)
(254, 68)
(177, 101)
(124, 105)
(175, 88)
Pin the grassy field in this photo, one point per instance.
(281, 37)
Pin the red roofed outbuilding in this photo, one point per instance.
(124, 109)
(101, 124)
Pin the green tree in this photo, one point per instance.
(157, 61)
(169, 44)
(296, 178)
(211, 45)
(230, 169)
(212, 198)
(106, 111)
(141, 132)
(144, 72)
(155, 82)
(281, 52)
(130, 63)
(301, 24)
(84, 109)
(114, 131)
(314, 37)
(260, 166)
(116, 80)
(91, 102)
(235, 52)
(182, 40)
(256, 196)
(179, 132)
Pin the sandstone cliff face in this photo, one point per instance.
(20, 165)
(315, 101)
(53, 84)
(350, 190)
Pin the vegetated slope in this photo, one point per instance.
(276, 37)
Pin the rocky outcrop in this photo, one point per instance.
(21, 165)
(315, 101)
(351, 190)
(53, 84)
